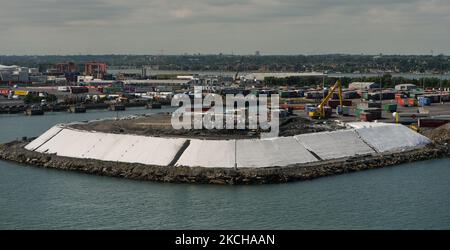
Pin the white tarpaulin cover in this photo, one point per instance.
(113, 147)
(336, 144)
(221, 153)
(367, 124)
(281, 151)
(391, 137)
(43, 138)
(208, 153)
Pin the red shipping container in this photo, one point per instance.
(4, 91)
(292, 106)
(402, 102)
(284, 106)
(412, 102)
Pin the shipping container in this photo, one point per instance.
(20, 92)
(402, 102)
(424, 101)
(391, 107)
(78, 90)
(112, 90)
(289, 94)
(370, 105)
(314, 95)
(292, 106)
(376, 113)
(365, 96)
(4, 92)
(365, 117)
(310, 108)
(412, 102)
(360, 110)
(343, 110)
(334, 103)
(63, 88)
(384, 96)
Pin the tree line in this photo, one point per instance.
(386, 80)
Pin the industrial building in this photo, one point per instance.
(150, 84)
(259, 77)
(363, 85)
(15, 73)
(405, 87)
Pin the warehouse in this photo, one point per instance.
(150, 85)
(405, 87)
(363, 85)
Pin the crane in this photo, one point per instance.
(320, 111)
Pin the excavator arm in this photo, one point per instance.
(320, 111)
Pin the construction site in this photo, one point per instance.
(320, 133)
(312, 143)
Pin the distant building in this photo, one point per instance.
(363, 85)
(90, 80)
(405, 87)
(33, 71)
(162, 82)
(260, 76)
(146, 71)
(85, 78)
(65, 67)
(6, 73)
(96, 69)
(38, 78)
(190, 77)
(149, 85)
(22, 74)
(14, 74)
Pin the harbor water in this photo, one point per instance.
(410, 196)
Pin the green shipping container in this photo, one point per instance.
(391, 107)
(366, 96)
(111, 90)
(360, 110)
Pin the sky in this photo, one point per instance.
(61, 27)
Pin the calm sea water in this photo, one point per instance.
(410, 196)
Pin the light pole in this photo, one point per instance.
(235, 154)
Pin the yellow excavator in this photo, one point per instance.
(319, 112)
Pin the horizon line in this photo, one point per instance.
(224, 54)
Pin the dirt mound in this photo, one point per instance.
(439, 134)
(160, 125)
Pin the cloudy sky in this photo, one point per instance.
(224, 26)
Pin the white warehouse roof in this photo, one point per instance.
(261, 76)
(158, 82)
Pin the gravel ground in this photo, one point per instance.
(159, 125)
(440, 134)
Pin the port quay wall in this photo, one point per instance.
(246, 161)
